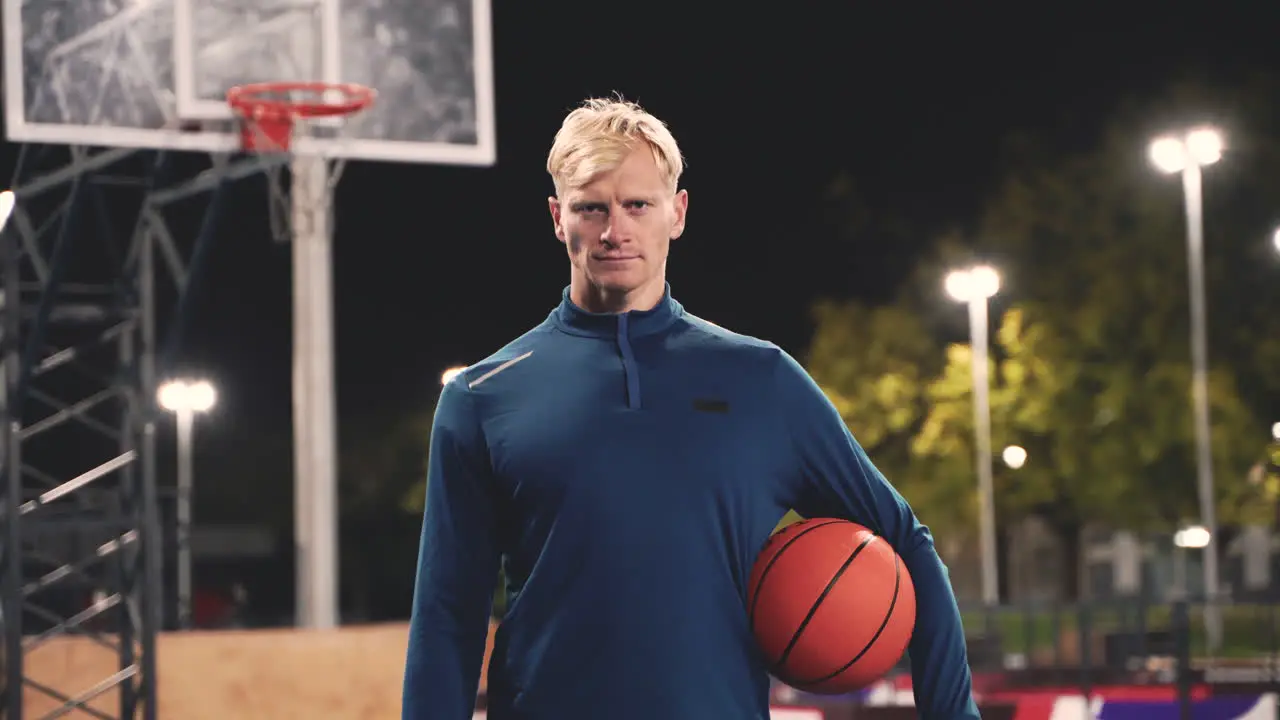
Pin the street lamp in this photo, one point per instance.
(7, 202)
(1191, 537)
(1014, 456)
(974, 287)
(1187, 154)
(450, 374)
(185, 399)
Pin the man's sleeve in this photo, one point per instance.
(835, 478)
(457, 567)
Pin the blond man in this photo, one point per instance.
(624, 462)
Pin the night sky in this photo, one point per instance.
(437, 266)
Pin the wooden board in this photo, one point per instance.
(351, 673)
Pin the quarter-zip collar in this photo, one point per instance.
(621, 328)
(631, 324)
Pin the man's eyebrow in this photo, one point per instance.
(629, 197)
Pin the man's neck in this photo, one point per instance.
(600, 300)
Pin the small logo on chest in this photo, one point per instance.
(711, 405)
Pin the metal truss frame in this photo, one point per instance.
(81, 349)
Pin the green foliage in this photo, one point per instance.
(1093, 247)
(871, 363)
(1090, 362)
(1034, 405)
(1266, 473)
(874, 364)
(791, 517)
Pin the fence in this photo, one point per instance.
(1135, 658)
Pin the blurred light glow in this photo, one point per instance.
(977, 283)
(1195, 536)
(7, 202)
(197, 396)
(1275, 240)
(450, 374)
(1015, 456)
(1275, 431)
(1205, 145)
(1170, 154)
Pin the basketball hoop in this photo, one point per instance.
(268, 123)
(273, 116)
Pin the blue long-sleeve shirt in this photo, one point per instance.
(626, 470)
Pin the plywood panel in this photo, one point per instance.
(352, 673)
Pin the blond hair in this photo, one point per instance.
(598, 135)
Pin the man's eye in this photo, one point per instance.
(637, 204)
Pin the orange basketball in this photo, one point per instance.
(831, 606)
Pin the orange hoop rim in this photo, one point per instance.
(245, 100)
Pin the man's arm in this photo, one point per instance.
(457, 567)
(835, 478)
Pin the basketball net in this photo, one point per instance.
(301, 190)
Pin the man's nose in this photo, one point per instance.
(619, 228)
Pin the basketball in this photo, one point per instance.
(831, 605)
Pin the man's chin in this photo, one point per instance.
(617, 283)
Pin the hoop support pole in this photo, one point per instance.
(314, 406)
(277, 123)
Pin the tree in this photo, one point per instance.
(1096, 244)
(1032, 378)
(873, 364)
(1270, 468)
(1063, 220)
(1091, 457)
(1091, 370)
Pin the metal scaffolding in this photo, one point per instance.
(93, 299)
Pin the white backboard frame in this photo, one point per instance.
(188, 106)
(192, 107)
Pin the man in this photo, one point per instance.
(625, 461)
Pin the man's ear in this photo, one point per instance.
(553, 203)
(681, 204)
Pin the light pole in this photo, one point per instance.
(975, 286)
(185, 399)
(1188, 154)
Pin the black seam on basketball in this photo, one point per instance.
(755, 597)
(813, 609)
(897, 585)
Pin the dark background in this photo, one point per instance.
(773, 106)
(437, 266)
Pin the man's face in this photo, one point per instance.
(618, 228)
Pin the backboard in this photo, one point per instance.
(154, 73)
